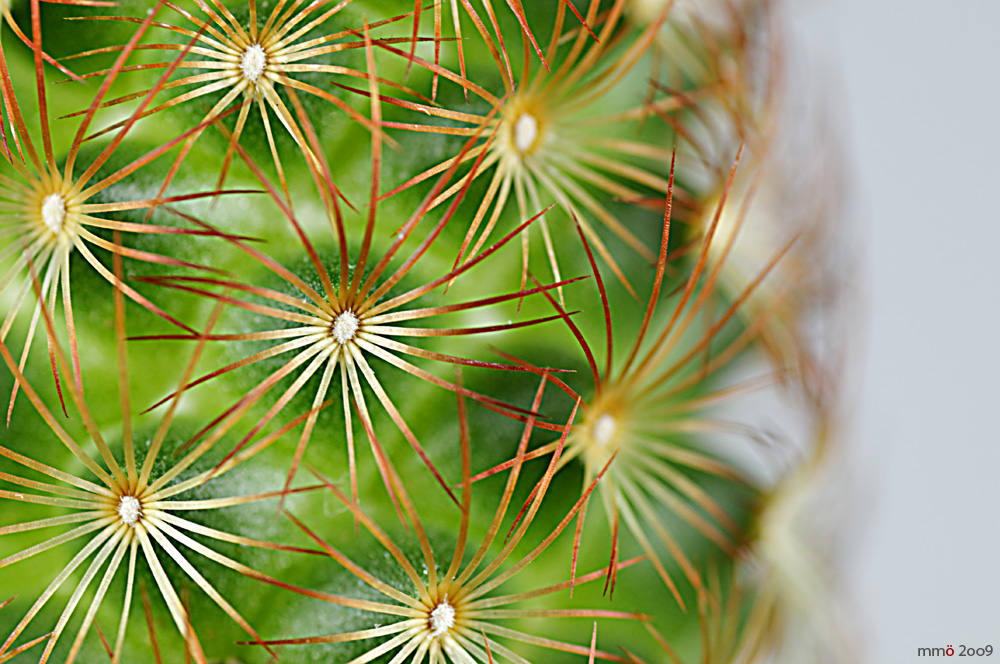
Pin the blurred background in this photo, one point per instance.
(917, 86)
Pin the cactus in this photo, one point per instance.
(352, 310)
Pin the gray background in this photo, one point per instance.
(918, 89)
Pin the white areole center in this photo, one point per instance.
(252, 62)
(525, 132)
(442, 618)
(54, 212)
(604, 430)
(345, 327)
(130, 510)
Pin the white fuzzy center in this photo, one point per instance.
(442, 618)
(130, 510)
(604, 430)
(54, 212)
(525, 132)
(252, 62)
(345, 327)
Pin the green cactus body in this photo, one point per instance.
(324, 324)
